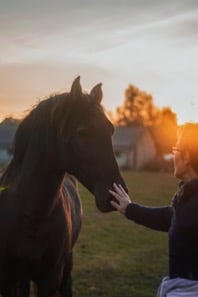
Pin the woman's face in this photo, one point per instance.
(181, 161)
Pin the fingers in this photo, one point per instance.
(119, 192)
(115, 194)
(115, 205)
(121, 198)
(119, 189)
(122, 190)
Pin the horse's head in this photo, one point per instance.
(85, 137)
(70, 132)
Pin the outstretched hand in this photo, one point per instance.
(121, 197)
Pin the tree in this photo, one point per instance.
(139, 109)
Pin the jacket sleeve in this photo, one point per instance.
(157, 218)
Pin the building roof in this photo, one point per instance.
(7, 133)
(125, 138)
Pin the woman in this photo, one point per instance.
(180, 219)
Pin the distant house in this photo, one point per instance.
(134, 147)
(7, 133)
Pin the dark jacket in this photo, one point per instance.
(180, 220)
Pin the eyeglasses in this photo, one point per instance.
(176, 149)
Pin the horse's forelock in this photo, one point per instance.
(68, 111)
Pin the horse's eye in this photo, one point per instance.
(83, 131)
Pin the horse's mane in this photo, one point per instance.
(34, 130)
(34, 140)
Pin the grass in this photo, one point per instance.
(114, 257)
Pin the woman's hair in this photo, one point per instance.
(188, 138)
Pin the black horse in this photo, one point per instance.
(40, 210)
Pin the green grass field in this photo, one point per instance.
(114, 257)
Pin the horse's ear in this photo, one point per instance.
(76, 90)
(96, 93)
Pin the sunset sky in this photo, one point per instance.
(152, 44)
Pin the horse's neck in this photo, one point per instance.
(38, 191)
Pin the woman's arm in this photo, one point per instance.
(157, 218)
